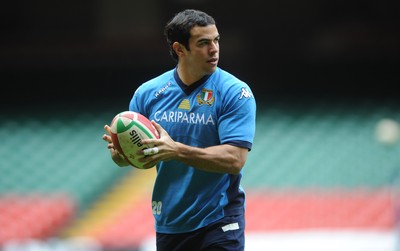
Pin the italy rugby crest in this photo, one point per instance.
(205, 97)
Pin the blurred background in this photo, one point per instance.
(323, 172)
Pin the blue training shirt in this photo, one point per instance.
(217, 109)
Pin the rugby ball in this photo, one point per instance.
(127, 131)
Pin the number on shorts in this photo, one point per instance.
(157, 205)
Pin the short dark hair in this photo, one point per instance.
(178, 28)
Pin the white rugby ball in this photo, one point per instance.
(127, 130)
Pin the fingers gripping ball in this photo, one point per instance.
(127, 131)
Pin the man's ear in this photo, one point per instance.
(178, 48)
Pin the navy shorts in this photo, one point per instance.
(225, 234)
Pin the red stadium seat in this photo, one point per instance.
(33, 216)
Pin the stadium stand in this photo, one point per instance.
(53, 167)
(322, 146)
(33, 216)
(122, 217)
(313, 165)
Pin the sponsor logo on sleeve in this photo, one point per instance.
(246, 93)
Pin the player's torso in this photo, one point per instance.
(181, 201)
(189, 118)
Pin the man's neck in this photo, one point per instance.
(187, 77)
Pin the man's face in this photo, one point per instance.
(203, 56)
